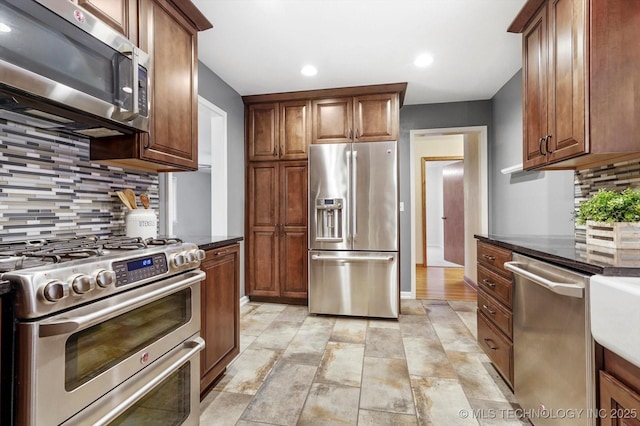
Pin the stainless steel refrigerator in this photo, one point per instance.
(353, 229)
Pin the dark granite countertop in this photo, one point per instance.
(567, 252)
(209, 242)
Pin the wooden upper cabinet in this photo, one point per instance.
(278, 130)
(579, 68)
(367, 118)
(168, 32)
(333, 120)
(295, 129)
(121, 15)
(262, 128)
(171, 41)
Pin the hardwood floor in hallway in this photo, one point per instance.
(438, 283)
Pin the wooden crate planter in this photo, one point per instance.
(617, 235)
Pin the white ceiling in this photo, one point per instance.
(259, 46)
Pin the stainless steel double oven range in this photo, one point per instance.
(107, 331)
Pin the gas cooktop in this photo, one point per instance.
(24, 254)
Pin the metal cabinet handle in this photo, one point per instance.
(220, 253)
(357, 133)
(540, 141)
(281, 150)
(443, 218)
(489, 310)
(350, 133)
(491, 344)
(547, 138)
(275, 151)
(487, 257)
(489, 283)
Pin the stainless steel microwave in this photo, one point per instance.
(63, 69)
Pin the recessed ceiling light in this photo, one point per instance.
(423, 60)
(4, 28)
(309, 70)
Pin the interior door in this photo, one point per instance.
(453, 208)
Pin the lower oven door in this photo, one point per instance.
(68, 361)
(166, 393)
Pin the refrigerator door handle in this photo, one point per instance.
(354, 195)
(352, 258)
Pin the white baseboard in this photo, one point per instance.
(244, 300)
(406, 295)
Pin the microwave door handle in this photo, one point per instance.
(193, 346)
(118, 113)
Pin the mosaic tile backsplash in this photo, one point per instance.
(616, 177)
(50, 188)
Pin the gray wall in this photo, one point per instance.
(215, 90)
(525, 203)
(430, 116)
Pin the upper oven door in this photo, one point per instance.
(57, 51)
(68, 361)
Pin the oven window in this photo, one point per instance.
(94, 350)
(167, 404)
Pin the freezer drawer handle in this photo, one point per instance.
(352, 258)
(329, 239)
(564, 289)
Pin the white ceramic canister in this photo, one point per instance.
(141, 223)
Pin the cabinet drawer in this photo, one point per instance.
(497, 313)
(497, 286)
(497, 347)
(494, 257)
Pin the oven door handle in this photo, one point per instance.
(71, 325)
(194, 346)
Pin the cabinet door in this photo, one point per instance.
(295, 129)
(333, 120)
(262, 244)
(293, 225)
(220, 312)
(172, 43)
(567, 75)
(534, 81)
(262, 130)
(121, 15)
(376, 118)
(619, 404)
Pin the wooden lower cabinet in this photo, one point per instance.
(277, 231)
(619, 392)
(220, 312)
(495, 300)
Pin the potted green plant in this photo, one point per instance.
(612, 218)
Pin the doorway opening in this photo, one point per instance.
(195, 203)
(448, 144)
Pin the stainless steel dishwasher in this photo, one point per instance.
(554, 372)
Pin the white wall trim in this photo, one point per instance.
(244, 300)
(408, 294)
(482, 130)
(219, 178)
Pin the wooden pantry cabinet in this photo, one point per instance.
(495, 303)
(168, 32)
(277, 265)
(579, 68)
(220, 312)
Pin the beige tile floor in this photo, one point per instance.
(298, 369)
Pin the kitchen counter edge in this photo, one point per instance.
(213, 242)
(551, 254)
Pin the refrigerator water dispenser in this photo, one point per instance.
(329, 219)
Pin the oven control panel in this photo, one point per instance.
(140, 268)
